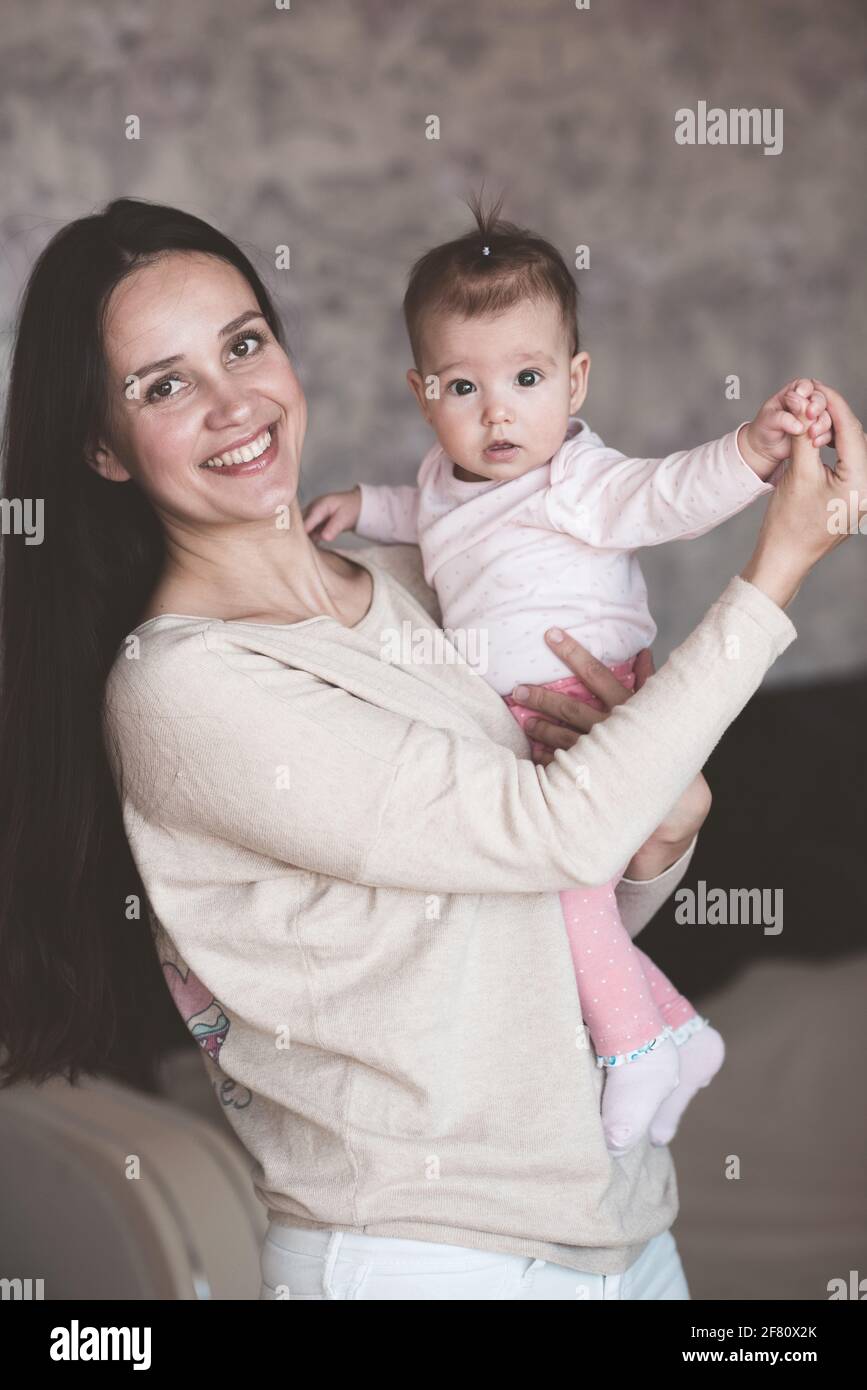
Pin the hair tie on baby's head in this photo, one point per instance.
(486, 250)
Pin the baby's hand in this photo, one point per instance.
(333, 512)
(766, 441)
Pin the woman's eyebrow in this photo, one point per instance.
(179, 357)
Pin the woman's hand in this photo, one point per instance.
(799, 526)
(766, 441)
(677, 831)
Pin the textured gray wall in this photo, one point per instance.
(307, 126)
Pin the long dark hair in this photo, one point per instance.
(80, 986)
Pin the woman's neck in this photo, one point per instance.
(329, 585)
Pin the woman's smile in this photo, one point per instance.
(262, 456)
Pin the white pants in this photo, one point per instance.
(298, 1263)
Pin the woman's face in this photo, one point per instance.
(231, 381)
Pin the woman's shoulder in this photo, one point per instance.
(156, 667)
(169, 666)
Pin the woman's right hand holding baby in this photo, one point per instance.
(326, 516)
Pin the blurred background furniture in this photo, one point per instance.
(188, 1227)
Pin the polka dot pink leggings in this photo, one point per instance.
(626, 1000)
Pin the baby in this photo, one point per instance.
(525, 518)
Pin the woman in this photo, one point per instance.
(350, 864)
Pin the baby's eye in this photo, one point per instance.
(461, 381)
(530, 371)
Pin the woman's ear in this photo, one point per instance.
(106, 464)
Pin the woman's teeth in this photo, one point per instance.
(245, 455)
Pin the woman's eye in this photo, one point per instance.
(154, 392)
(531, 371)
(461, 382)
(246, 338)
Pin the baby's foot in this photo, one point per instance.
(701, 1057)
(633, 1093)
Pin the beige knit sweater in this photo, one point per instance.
(352, 867)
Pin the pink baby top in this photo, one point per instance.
(555, 546)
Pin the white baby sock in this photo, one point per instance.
(633, 1094)
(701, 1055)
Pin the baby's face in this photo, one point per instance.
(508, 377)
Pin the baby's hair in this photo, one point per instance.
(486, 271)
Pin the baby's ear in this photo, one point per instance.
(418, 388)
(579, 372)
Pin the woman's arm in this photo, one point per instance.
(304, 772)
(639, 899)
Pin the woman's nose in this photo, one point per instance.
(228, 409)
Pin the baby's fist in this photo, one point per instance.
(333, 512)
(796, 409)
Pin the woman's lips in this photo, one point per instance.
(258, 465)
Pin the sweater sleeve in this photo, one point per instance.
(639, 899)
(613, 502)
(302, 771)
(388, 514)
